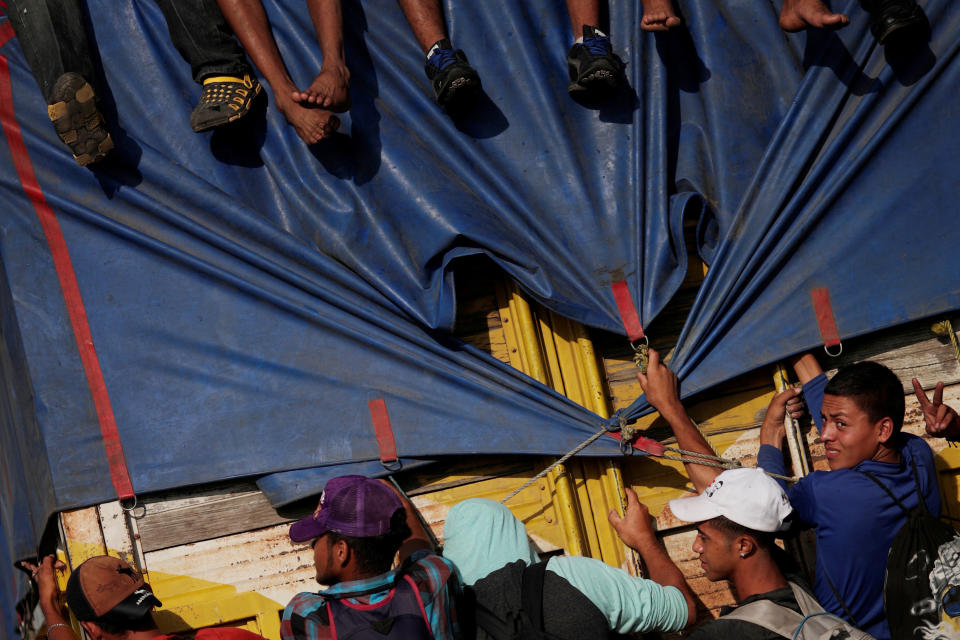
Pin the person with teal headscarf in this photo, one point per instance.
(583, 598)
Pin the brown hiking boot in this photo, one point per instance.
(78, 121)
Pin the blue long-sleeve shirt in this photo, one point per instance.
(855, 520)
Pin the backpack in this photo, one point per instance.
(525, 623)
(399, 616)
(923, 568)
(812, 624)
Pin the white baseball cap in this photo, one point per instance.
(748, 497)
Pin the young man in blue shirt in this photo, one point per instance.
(855, 520)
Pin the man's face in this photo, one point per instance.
(849, 436)
(717, 551)
(324, 560)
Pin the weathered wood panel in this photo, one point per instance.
(191, 515)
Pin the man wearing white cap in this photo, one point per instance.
(737, 518)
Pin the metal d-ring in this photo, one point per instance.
(826, 350)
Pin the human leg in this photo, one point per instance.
(900, 20)
(201, 34)
(426, 21)
(249, 21)
(583, 12)
(595, 70)
(455, 83)
(55, 44)
(331, 88)
(54, 40)
(658, 15)
(797, 15)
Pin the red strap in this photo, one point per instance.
(828, 325)
(381, 426)
(628, 311)
(68, 281)
(644, 444)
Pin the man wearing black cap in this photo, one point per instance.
(358, 528)
(111, 601)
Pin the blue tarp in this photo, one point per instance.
(853, 195)
(247, 296)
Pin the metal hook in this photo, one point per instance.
(641, 354)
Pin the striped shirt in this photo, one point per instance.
(306, 617)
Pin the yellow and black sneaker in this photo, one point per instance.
(78, 121)
(224, 100)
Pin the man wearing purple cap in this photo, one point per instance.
(356, 531)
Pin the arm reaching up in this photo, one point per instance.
(636, 530)
(659, 384)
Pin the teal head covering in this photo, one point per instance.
(481, 536)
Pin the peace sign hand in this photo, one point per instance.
(941, 420)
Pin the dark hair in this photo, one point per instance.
(375, 554)
(765, 540)
(874, 388)
(117, 627)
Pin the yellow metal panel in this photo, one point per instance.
(948, 469)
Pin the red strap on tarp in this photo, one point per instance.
(628, 311)
(381, 426)
(825, 319)
(68, 280)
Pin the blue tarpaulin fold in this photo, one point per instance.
(853, 195)
(248, 295)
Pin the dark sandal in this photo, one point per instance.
(224, 99)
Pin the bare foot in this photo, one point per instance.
(312, 124)
(797, 15)
(330, 89)
(658, 15)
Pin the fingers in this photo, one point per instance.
(614, 519)
(938, 395)
(654, 359)
(943, 412)
(921, 394)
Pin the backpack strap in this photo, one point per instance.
(852, 618)
(531, 593)
(495, 626)
(769, 615)
(887, 491)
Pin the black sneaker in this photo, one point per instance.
(78, 121)
(455, 83)
(895, 20)
(594, 68)
(224, 99)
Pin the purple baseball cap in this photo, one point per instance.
(353, 506)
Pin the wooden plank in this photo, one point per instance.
(911, 350)
(182, 517)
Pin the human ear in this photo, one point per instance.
(745, 546)
(93, 630)
(884, 430)
(342, 551)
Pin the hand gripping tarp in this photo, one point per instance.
(855, 195)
